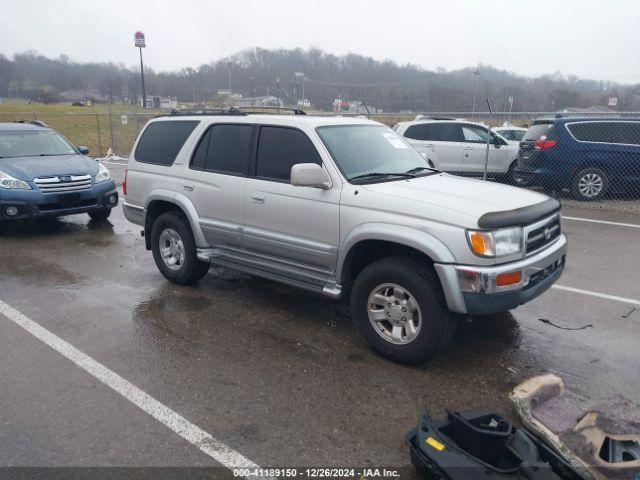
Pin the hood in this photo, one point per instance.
(28, 168)
(457, 200)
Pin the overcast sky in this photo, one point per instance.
(591, 38)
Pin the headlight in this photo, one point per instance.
(9, 182)
(103, 174)
(495, 243)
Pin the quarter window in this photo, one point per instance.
(161, 141)
(281, 148)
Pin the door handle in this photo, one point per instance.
(257, 198)
(429, 145)
(188, 188)
(467, 148)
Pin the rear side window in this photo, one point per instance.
(629, 133)
(161, 141)
(606, 132)
(538, 130)
(416, 132)
(443, 132)
(281, 148)
(224, 149)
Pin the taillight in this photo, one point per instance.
(544, 144)
(124, 183)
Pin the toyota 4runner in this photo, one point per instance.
(342, 207)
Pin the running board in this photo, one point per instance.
(272, 271)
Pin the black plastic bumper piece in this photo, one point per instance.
(519, 216)
(480, 445)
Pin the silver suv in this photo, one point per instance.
(345, 208)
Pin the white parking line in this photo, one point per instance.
(183, 427)
(597, 294)
(605, 222)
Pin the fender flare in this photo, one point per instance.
(407, 236)
(187, 207)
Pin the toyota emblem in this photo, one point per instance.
(547, 233)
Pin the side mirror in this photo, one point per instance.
(309, 175)
(497, 141)
(82, 149)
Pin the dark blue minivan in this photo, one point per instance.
(588, 156)
(43, 174)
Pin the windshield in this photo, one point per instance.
(33, 143)
(360, 150)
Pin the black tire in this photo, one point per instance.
(580, 190)
(511, 174)
(190, 270)
(100, 215)
(438, 325)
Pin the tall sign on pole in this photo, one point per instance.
(139, 42)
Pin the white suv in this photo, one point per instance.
(458, 146)
(347, 209)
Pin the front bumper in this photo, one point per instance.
(538, 273)
(34, 204)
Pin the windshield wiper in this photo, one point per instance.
(380, 175)
(421, 169)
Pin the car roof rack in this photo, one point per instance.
(270, 109)
(176, 112)
(38, 123)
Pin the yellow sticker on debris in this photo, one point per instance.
(435, 444)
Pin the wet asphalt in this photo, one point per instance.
(278, 374)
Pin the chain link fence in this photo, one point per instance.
(97, 131)
(591, 158)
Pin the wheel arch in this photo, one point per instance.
(371, 242)
(161, 201)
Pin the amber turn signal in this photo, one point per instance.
(508, 278)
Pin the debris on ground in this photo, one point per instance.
(603, 439)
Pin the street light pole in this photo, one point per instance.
(476, 73)
(144, 95)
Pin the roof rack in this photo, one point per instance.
(206, 111)
(258, 109)
(234, 111)
(38, 123)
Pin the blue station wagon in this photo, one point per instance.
(43, 174)
(588, 156)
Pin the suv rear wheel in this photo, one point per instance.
(174, 250)
(399, 308)
(590, 184)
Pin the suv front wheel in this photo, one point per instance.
(174, 250)
(399, 308)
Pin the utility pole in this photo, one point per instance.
(229, 63)
(252, 91)
(476, 74)
(140, 42)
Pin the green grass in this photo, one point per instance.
(84, 125)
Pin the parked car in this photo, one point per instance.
(43, 174)
(588, 156)
(510, 133)
(458, 146)
(346, 208)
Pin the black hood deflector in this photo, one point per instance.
(519, 216)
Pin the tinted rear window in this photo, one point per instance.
(281, 148)
(606, 132)
(537, 131)
(161, 141)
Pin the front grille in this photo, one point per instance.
(544, 235)
(62, 184)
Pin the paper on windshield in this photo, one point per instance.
(394, 140)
